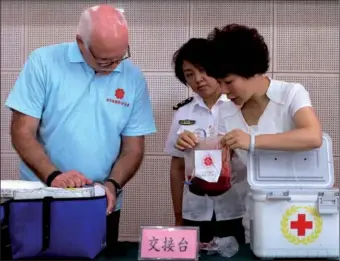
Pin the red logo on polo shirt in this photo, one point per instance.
(119, 94)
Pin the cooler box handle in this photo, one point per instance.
(284, 195)
(328, 203)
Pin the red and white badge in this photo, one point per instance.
(208, 165)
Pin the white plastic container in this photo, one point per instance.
(19, 189)
(294, 211)
(8, 187)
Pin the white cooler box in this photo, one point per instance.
(294, 211)
(49, 222)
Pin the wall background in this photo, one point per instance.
(303, 37)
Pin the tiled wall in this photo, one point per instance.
(303, 37)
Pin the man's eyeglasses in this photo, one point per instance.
(104, 63)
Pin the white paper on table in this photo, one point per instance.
(208, 165)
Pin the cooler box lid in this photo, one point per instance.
(18, 189)
(8, 187)
(287, 169)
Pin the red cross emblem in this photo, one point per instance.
(301, 225)
(208, 161)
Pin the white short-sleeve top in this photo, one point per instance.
(285, 100)
(229, 205)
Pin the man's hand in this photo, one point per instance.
(186, 140)
(110, 191)
(70, 179)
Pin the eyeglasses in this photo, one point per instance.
(105, 63)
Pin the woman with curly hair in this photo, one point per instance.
(264, 114)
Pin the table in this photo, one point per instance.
(128, 251)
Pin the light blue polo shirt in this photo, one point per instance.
(82, 115)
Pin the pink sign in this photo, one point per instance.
(168, 243)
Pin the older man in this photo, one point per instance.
(81, 110)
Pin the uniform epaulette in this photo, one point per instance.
(182, 103)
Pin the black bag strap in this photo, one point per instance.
(6, 248)
(46, 223)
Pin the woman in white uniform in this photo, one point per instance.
(264, 113)
(218, 212)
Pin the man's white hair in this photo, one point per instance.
(84, 29)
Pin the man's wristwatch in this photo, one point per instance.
(116, 185)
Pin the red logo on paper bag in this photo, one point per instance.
(208, 161)
(119, 93)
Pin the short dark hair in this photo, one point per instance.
(194, 51)
(239, 50)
